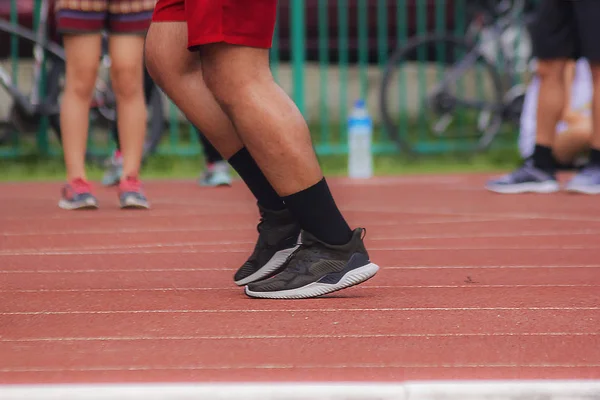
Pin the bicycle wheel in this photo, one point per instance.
(21, 82)
(440, 94)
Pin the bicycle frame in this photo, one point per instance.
(42, 46)
(508, 16)
(497, 28)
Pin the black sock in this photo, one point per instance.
(595, 157)
(543, 158)
(243, 163)
(317, 213)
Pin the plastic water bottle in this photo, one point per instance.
(360, 133)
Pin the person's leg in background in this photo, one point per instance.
(551, 105)
(81, 33)
(554, 42)
(527, 123)
(127, 29)
(573, 132)
(587, 14)
(573, 142)
(179, 73)
(216, 168)
(114, 164)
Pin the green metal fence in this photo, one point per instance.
(326, 54)
(12, 143)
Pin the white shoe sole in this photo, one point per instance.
(89, 204)
(133, 203)
(583, 189)
(315, 289)
(543, 187)
(273, 264)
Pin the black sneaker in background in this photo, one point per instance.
(278, 235)
(318, 268)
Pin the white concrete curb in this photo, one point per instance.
(421, 390)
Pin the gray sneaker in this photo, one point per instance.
(113, 171)
(527, 179)
(587, 181)
(318, 268)
(216, 175)
(278, 236)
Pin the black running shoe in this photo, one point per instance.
(318, 268)
(278, 236)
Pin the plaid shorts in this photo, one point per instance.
(114, 16)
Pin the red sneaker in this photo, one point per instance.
(77, 195)
(131, 194)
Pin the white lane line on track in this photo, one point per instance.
(295, 366)
(299, 310)
(407, 390)
(284, 337)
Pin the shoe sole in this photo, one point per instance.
(351, 278)
(272, 265)
(215, 184)
(545, 187)
(583, 190)
(86, 205)
(134, 204)
(137, 206)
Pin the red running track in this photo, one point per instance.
(473, 285)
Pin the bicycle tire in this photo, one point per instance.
(400, 55)
(27, 116)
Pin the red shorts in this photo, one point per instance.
(243, 22)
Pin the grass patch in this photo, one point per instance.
(181, 159)
(36, 168)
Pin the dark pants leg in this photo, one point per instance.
(211, 155)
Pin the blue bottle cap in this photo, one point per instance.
(359, 103)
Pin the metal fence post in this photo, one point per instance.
(298, 33)
(42, 133)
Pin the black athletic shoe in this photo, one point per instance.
(278, 235)
(317, 268)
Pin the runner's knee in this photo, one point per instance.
(551, 69)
